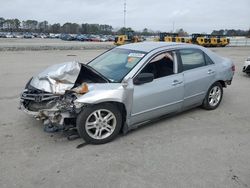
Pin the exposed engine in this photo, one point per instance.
(53, 109)
(50, 95)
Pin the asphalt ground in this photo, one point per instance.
(196, 148)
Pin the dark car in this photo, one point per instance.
(82, 38)
(67, 37)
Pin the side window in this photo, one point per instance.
(192, 58)
(208, 60)
(161, 65)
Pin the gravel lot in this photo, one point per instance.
(15, 44)
(196, 148)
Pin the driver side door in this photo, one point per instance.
(164, 94)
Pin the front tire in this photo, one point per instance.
(213, 97)
(99, 124)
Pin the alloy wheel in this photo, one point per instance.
(100, 124)
(214, 96)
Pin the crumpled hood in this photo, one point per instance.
(57, 78)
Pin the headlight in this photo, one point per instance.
(28, 83)
(78, 105)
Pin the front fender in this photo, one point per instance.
(100, 93)
(100, 96)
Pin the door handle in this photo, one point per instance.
(210, 71)
(176, 82)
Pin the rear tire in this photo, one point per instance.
(99, 124)
(213, 97)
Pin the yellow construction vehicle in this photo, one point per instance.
(173, 37)
(214, 42)
(127, 38)
(168, 37)
(196, 38)
(219, 41)
(200, 39)
(223, 41)
(209, 40)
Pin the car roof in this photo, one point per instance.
(149, 46)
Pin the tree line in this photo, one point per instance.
(232, 32)
(15, 25)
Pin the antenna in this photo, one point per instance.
(125, 11)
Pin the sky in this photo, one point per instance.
(161, 15)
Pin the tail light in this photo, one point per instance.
(233, 68)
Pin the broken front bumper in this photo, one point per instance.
(50, 108)
(48, 116)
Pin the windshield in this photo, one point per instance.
(117, 63)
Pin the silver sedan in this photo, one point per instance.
(125, 87)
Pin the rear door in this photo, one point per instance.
(199, 74)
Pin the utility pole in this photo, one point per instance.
(125, 11)
(173, 26)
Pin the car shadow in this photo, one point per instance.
(166, 118)
(246, 75)
(62, 136)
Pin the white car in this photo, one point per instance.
(246, 67)
(9, 35)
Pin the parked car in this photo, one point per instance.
(103, 39)
(53, 36)
(111, 38)
(94, 38)
(68, 37)
(44, 36)
(2, 35)
(82, 38)
(246, 67)
(126, 87)
(28, 36)
(9, 35)
(19, 36)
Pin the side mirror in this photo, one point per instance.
(143, 78)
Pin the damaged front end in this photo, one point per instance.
(52, 109)
(50, 96)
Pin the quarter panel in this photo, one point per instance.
(197, 81)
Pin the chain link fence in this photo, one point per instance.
(239, 42)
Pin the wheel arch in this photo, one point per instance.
(223, 84)
(205, 101)
(120, 106)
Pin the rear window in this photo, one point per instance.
(192, 58)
